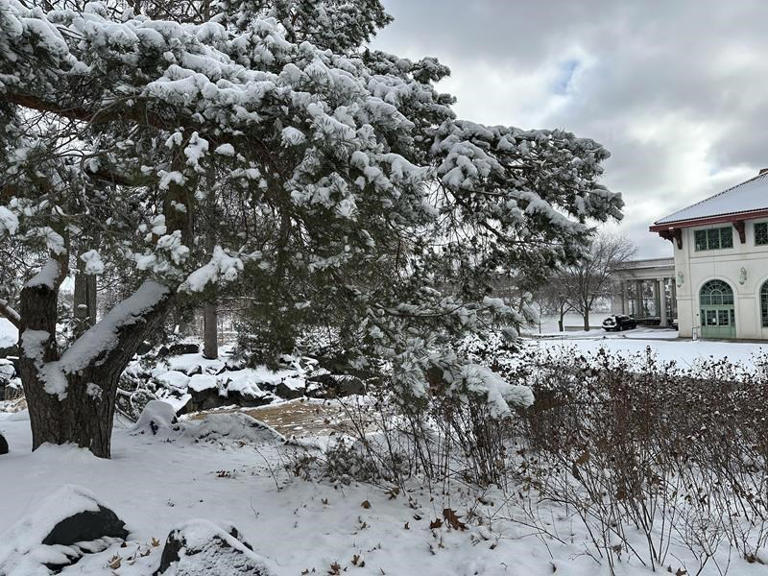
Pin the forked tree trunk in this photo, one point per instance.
(71, 396)
(210, 331)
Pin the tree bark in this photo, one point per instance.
(586, 319)
(84, 300)
(210, 331)
(83, 412)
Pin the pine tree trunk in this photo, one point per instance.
(210, 331)
(85, 417)
(85, 301)
(83, 413)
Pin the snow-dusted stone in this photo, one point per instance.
(173, 379)
(334, 386)
(200, 382)
(234, 426)
(285, 391)
(3, 445)
(184, 348)
(157, 416)
(199, 548)
(9, 351)
(67, 524)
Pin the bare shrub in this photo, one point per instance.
(646, 453)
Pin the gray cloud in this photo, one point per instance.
(674, 90)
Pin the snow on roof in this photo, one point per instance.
(745, 197)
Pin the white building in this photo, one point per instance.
(721, 262)
(645, 290)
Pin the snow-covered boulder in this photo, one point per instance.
(200, 547)
(235, 427)
(334, 386)
(67, 524)
(157, 416)
(173, 379)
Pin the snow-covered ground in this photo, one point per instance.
(548, 324)
(155, 483)
(663, 343)
(304, 527)
(8, 333)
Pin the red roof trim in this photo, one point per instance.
(721, 219)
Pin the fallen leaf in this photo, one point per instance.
(453, 519)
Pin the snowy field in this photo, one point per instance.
(571, 322)
(663, 343)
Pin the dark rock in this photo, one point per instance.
(87, 526)
(234, 365)
(144, 348)
(288, 393)
(211, 398)
(3, 445)
(200, 547)
(10, 351)
(70, 522)
(163, 352)
(334, 386)
(184, 348)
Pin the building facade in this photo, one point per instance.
(645, 290)
(721, 263)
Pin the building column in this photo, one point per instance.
(663, 302)
(623, 287)
(639, 298)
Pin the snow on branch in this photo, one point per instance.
(221, 266)
(104, 337)
(47, 277)
(10, 313)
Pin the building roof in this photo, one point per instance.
(749, 198)
(648, 263)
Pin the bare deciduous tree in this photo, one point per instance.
(583, 283)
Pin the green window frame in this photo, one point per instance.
(761, 234)
(713, 238)
(764, 304)
(717, 293)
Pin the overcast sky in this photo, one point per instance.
(677, 90)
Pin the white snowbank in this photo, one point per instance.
(233, 426)
(157, 416)
(9, 335)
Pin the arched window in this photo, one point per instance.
(764, 304)
(717, 293)
(717, 310)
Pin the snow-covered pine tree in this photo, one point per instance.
(338, 169)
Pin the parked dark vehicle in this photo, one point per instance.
(618, 323)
